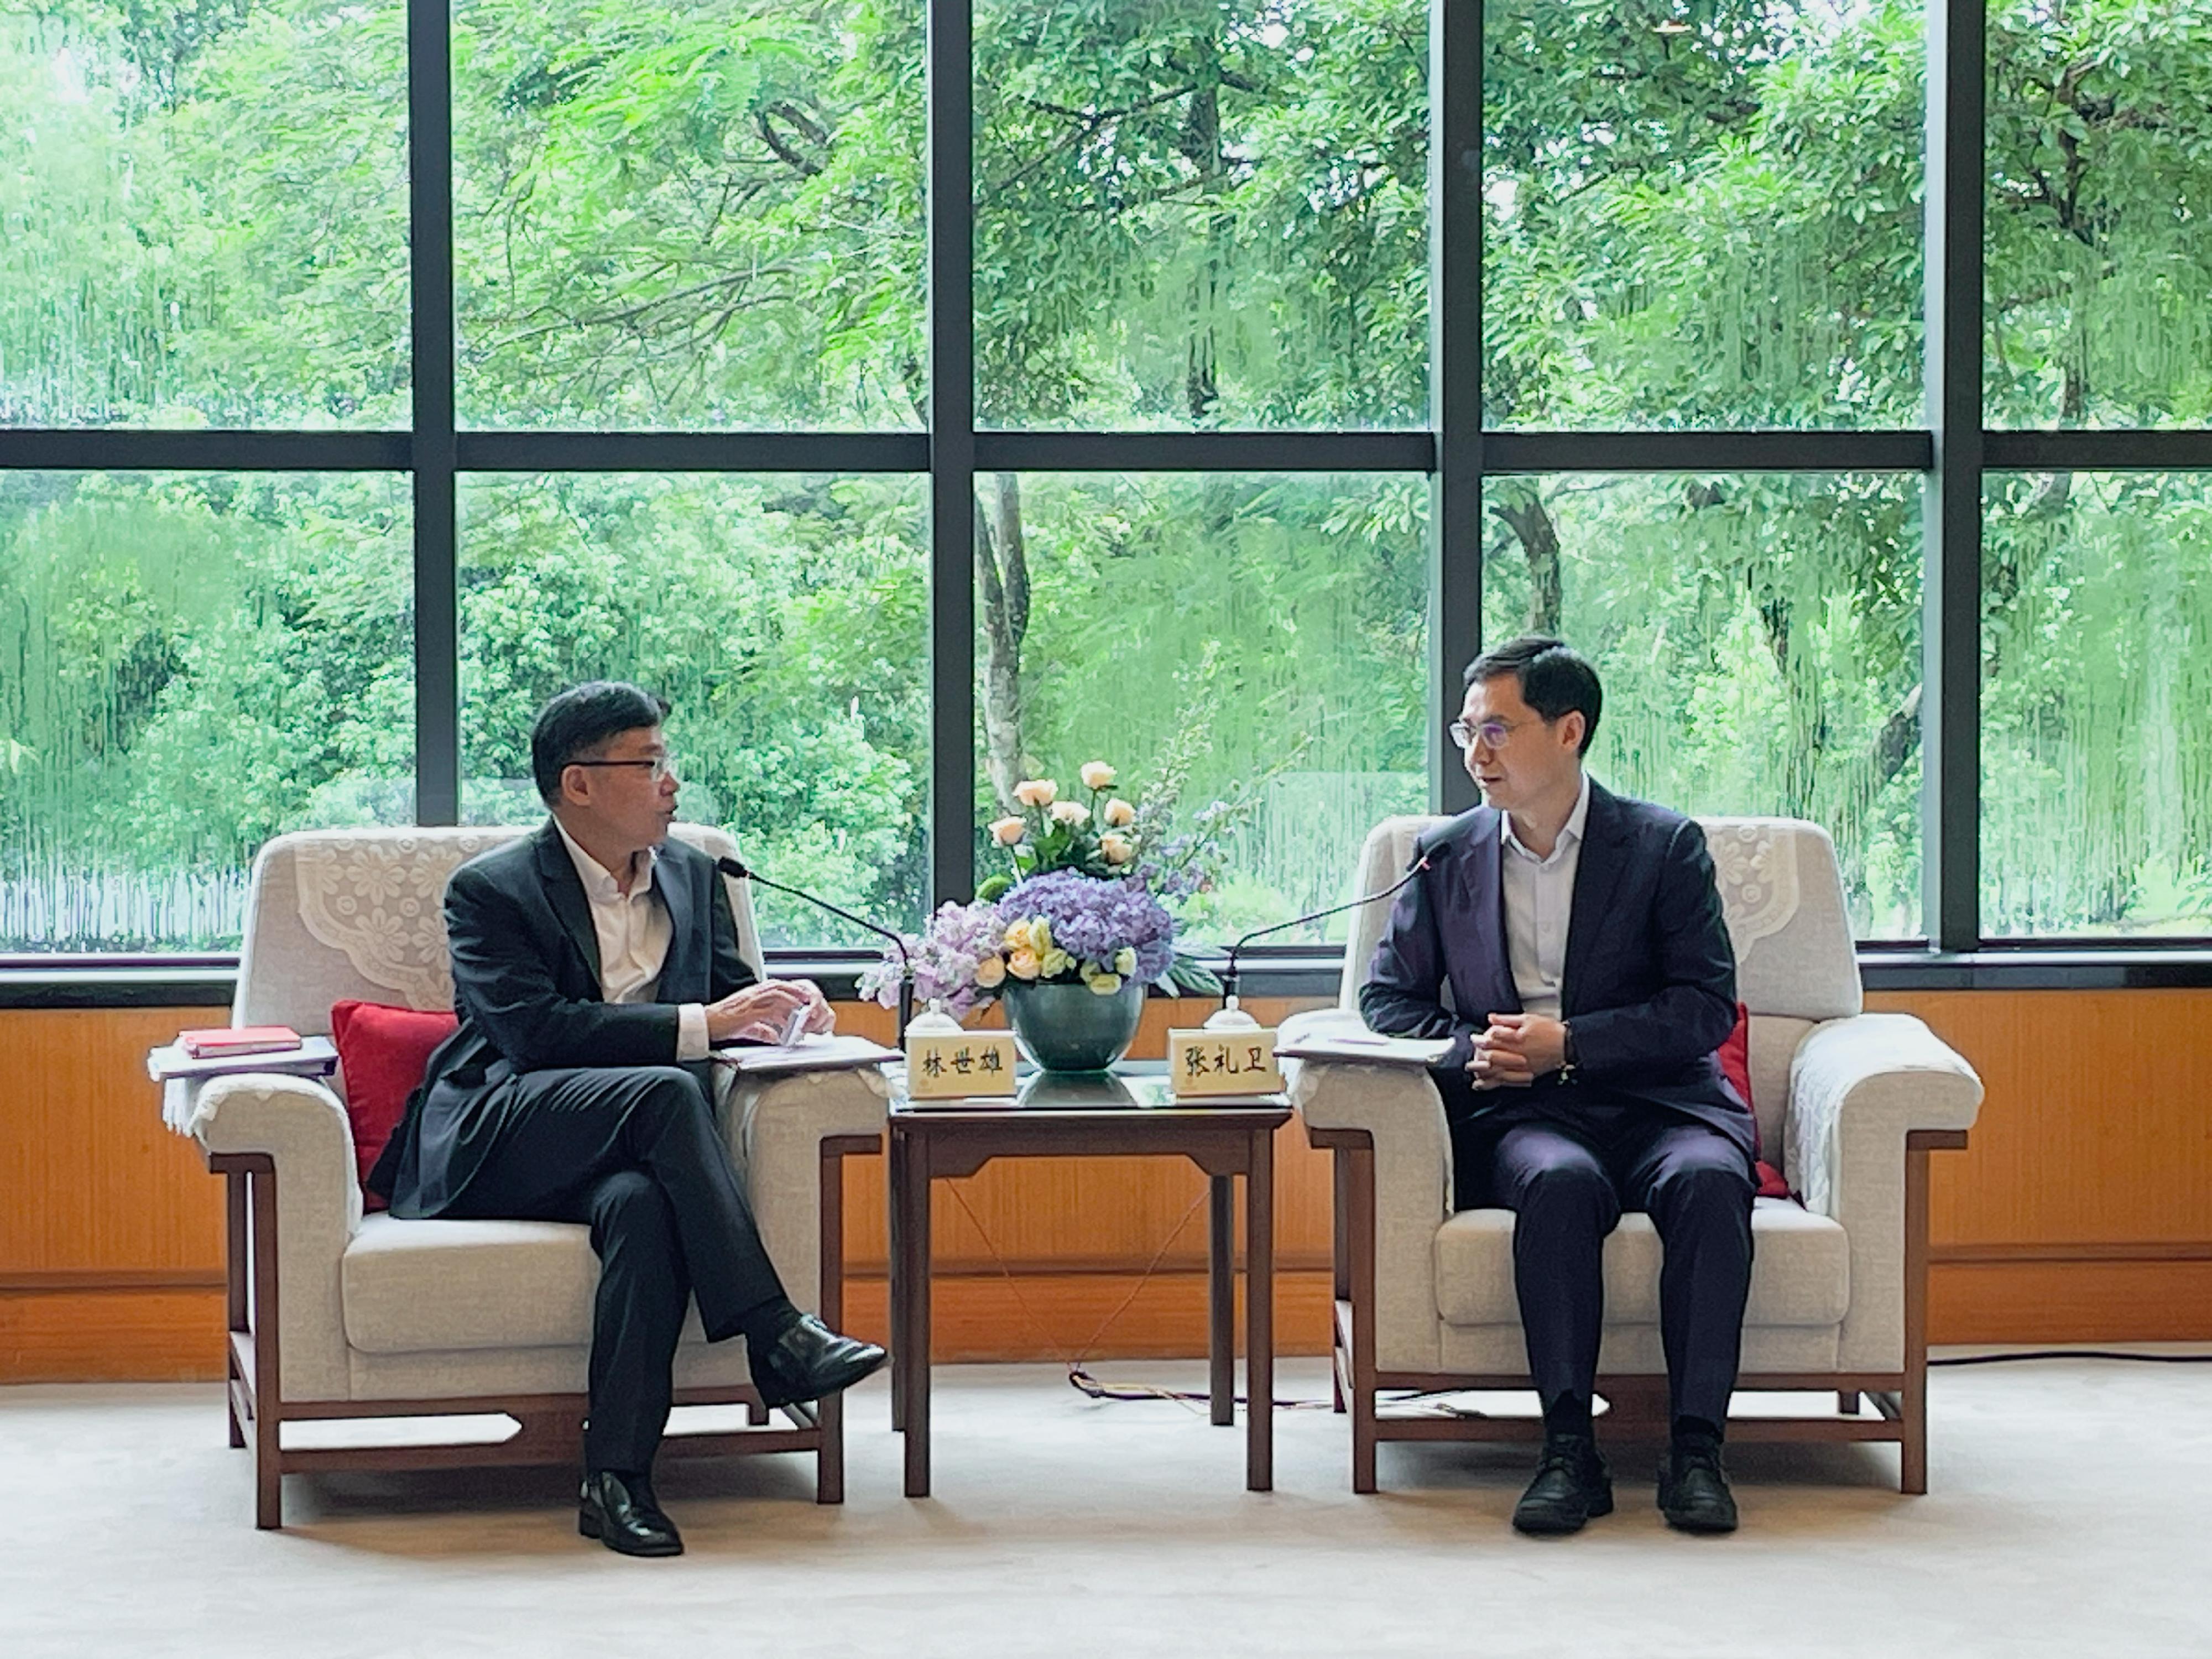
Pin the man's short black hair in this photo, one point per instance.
(578, 720)
(1554, 678)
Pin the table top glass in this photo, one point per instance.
(1131, 1086)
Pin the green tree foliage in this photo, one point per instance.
(1189, 214)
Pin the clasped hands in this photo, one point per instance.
(1516, 1050)
(759, 1012)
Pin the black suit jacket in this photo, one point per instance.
(526, 987)
(1649, 979)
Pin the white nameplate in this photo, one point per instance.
(949, 1067)
(1223, 1063)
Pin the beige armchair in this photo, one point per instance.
(334, 1313)
(1849, 1106)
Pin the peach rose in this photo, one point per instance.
(1097, 774)
(1118, 849)
(1119, 814)
(1036, 791)
(1023, 964)
(1070, 813)
(1017, 936)
(1007, 831)
(990, 972)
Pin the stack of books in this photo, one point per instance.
(223, 1041)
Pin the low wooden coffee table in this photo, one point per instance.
(1119, 1114)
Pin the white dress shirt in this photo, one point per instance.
(1540, 896)
(634, 932)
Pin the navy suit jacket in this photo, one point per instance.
(526, 987)
(1649, 979)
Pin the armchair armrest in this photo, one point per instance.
(1399, 1110)
(1860, 1089)
(301, 1127)
(781, 1131)
(1856, 1087)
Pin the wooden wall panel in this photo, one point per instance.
(2082, 1211)
(2097, 1123)
(90, 1178)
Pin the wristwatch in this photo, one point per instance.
(1567, 1054)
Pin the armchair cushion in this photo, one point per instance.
(382, 1054)
(416, 1285)
(1801, 1269)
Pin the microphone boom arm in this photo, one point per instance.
(729, 866)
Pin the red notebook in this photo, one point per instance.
(215, 1042)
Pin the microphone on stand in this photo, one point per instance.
(729, 866)
(1229, 1000)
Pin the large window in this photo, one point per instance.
(190, 664)
(1758, 640)
(1246, 651)
(203, 214)
(783, 619)
(923, 394)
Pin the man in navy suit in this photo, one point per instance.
(594, 963)
(1591, 979)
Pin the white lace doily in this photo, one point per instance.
(1756, 870)
(379, 897)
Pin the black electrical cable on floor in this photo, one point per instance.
(2074, 1353)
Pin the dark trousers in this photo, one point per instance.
(635, 1154)
(1568, 1172)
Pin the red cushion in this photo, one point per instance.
(1734, 1056)
(383, 1052)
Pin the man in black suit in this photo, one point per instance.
(1591, 979)
(594, 961)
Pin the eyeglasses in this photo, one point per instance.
(1491, 734)
(663, 767)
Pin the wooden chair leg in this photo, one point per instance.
(1847, 1402)
(1362, 1440)
(756, 1413)
(829, 1456)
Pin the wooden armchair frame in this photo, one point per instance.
(551, 1427)
(1637, 1401)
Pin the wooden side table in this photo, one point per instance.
(1093, 1116)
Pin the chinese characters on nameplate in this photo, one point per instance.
(1230, 1062)
(947, 1067)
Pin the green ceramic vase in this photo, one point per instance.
(1071, 1028)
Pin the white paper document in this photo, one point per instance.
(833, 1053)
(1367, 1048)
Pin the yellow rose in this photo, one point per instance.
(1119, 814)
(1069, 811)
(1007, 831)
(1125, 961)
(1105, 985)
(1098, 776)
(1036, 791)
(1017, 936)
(1118, 849)
(1054, 962)
(1040, 935)
(990, 972)
(1023, 964)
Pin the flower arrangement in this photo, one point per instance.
(1078, 906)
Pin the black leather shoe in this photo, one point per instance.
(1572, 1485)
(1693, 1493)
(810, 1360)
(621, 1513)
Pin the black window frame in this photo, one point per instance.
(1953, 454)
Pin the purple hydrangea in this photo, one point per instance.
(1092, 920)
(944, 956)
